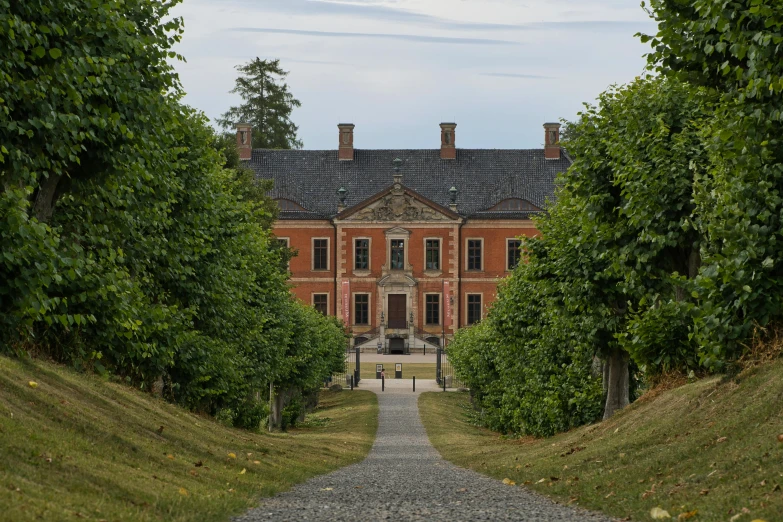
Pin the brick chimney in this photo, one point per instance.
(552, 141)
(345, 152)
(245, 141)
(448, 151)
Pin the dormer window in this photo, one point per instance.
(516, 205)
(288, 205)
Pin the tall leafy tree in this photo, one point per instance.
(611, 272)
(267, 105)
(734, 49)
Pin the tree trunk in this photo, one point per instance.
(43, 206)
(694, 263)
(275, 408)
(616, 382)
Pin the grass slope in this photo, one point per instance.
(78, 448)
(710, 447)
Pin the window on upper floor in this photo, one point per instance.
(514, 253)
(474, 254)
(361, 254)
(397, 254)
(320, 254)
(432, 254)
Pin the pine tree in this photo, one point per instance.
(267, 105)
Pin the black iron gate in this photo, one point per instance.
(351, 368)
(444, 371)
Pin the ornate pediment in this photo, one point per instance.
(399, 204)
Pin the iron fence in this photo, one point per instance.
(444, 371)
(351, 368)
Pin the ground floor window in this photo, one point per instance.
(474, 308)
(514, 253)
(432, 309)
(321, 303)
(361, 309)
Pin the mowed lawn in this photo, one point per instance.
(75, 447)
(706, 451)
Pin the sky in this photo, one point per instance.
(396, 69)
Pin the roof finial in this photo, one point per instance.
(397, 164)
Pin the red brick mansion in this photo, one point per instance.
(405, 245)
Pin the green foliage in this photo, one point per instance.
(609, 273)
(734, 50)
(133, 242)
(267, 105)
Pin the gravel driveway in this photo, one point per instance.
(404, 478)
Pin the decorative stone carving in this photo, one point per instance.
(399, 206)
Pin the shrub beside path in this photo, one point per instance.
(404, 478)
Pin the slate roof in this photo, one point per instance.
(483, 178)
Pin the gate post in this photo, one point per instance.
(358, 367)
(438, 366)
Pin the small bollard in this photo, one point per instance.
(351, 382)
(443, 378)
(414, 384)
(383, 383)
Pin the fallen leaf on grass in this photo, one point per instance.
(758, 520)
(610, 495)
(193, 472)
(780, 437)
(256, 462)
(183, 492)
(509, 482)
(540, 481)
(722, 439)
(659, 514)
(232, 455)
(704, 492)
(198, 464)
(170, 457)
(687, 515)
(32, 384)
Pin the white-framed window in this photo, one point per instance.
(433, 309)
(321, 253)
(513, 253)
(473, 308)
(361, 253)
(474, 254)
(433, 254)
(321, 302)
(361, 309)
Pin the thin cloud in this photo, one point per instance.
(516, 75)
(387, 36)
(372, 11)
